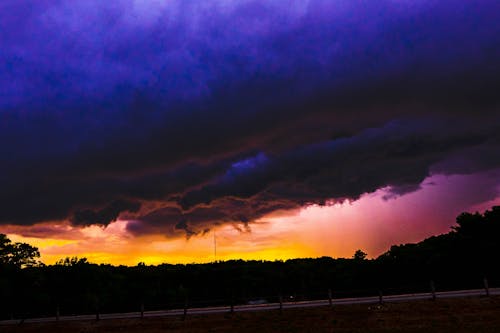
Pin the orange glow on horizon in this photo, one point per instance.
(114, 245)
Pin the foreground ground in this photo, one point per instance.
(478, 314)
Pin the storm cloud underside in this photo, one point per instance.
(182, 115)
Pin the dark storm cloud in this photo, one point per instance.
(205, 112)
(397, 155)
(173, 221)
(105, 215)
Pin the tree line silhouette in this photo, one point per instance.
(459, 259)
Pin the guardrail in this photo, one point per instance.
(266, 306)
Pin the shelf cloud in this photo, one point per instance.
(179, 116)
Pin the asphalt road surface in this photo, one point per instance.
(265, 306)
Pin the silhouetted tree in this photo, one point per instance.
(359, 255)
(73, 261)
(17, 254)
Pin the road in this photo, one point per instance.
(264, 307)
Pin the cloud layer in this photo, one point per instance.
(180, 115)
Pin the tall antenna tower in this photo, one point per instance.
(215, 247)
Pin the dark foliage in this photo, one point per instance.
(17, 254)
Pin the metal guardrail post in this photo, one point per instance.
(184, 315)
(433, 290)
(232, 303)
(97, 317)
(486, 287)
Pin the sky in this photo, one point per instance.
(193, 131)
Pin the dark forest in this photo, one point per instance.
(463, 258)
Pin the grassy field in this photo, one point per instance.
(451, 315)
